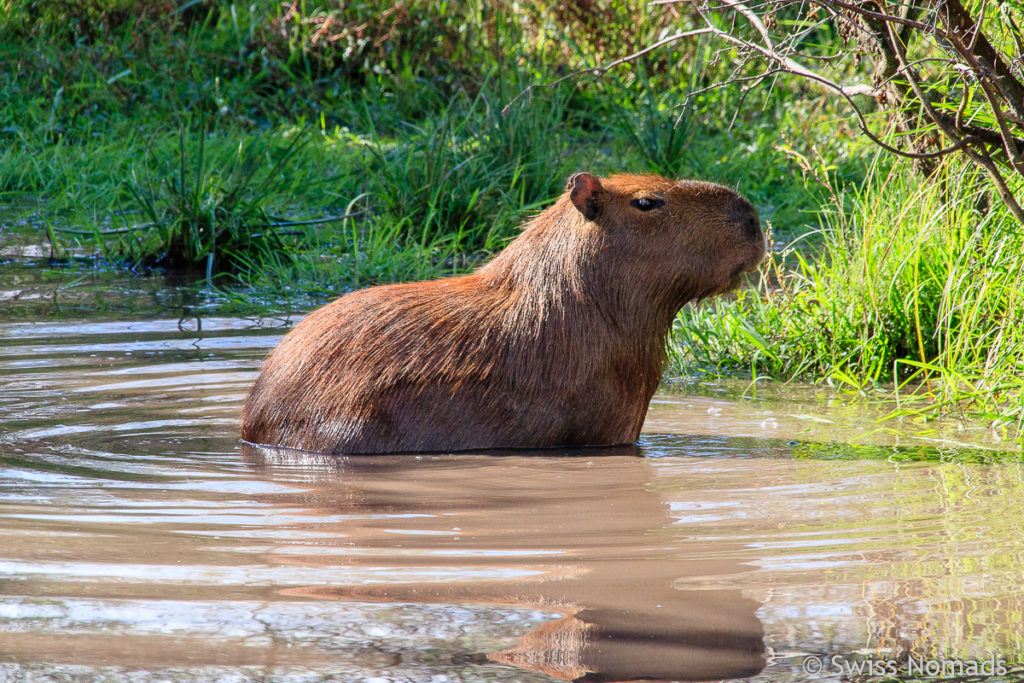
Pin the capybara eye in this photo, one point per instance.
(647, 203)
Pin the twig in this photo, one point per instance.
(117, 231)
(958, 23)
(312, 221)
(789, 65)
(981, 157)
(277, 233)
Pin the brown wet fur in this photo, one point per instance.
(557, 341)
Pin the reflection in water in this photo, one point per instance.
(581, 532)
(138, 541)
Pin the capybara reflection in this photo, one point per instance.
(557, 341)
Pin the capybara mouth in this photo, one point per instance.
(736, 278)
(734, 282)
(741, 269)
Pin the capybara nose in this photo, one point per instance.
(746, 217)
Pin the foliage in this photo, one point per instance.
(201, 208)
(391, 114)
(918, 282)
(945, 72)
(401, 105)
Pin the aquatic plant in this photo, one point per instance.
(206, 209)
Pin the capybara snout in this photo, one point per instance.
(745, 216)
(557, 341)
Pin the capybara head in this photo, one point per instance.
(690, 238)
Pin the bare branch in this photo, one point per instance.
(980, 156)
(279, 224)
(881, 16)
(788, 65)
(959, 23)
(785, 63)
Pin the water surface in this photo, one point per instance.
(139, 538)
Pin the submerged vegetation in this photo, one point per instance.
(282, 151)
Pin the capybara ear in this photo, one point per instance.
(584, 189)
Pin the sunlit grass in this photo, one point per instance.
(411, 118)
(918, 289)
(189, 121)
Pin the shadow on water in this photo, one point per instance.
(565, 527)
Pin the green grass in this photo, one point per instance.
(224, 128)
(201, 207)
(401, 105)
(918, 289)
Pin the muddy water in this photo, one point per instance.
(138, 537)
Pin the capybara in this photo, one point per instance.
(558, 341)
